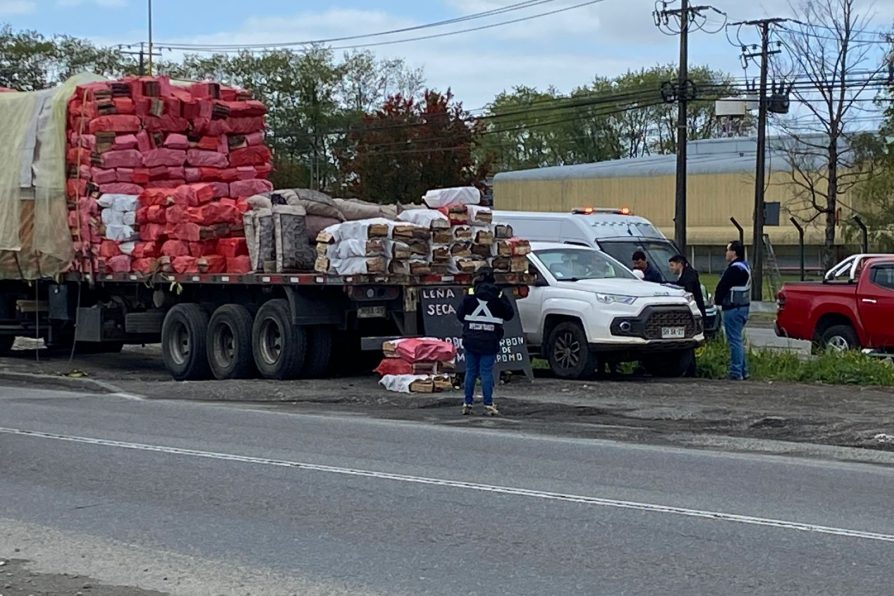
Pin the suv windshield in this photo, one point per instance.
(657, 252)
(576, 263)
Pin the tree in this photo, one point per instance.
(609, 119)
(875, 156)
(407, 147)
(367, 82)
(835, 68)
(30, 61)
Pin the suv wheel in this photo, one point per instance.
(569, 352)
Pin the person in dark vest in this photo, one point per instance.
(641, 263)
(483, 312)
(687, 278)
(733, 294)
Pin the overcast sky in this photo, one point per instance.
(563, 50)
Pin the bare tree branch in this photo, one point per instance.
(832, 80)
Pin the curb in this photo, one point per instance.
(83, 384)
(764, 307)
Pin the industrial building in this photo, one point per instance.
(720, 186)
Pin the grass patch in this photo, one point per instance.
(849, 368)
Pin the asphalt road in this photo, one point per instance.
(210, 499)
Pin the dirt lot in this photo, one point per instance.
(639, 409)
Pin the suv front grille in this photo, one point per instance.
(669, 318)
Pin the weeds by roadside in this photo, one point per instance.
(849, 368)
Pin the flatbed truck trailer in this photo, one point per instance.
(224, 326)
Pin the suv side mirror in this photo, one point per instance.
(638, 274)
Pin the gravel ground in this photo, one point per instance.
(16, 578)
(639, 409)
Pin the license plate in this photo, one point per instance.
(673, 332)
(371, 312)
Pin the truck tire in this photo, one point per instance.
(568, 352)
(670, 364)
(279, 347)
(229, 343)
(6, 343)
(183, 340)
(839, 338)
(319, 353)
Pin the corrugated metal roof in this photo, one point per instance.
(711, 156)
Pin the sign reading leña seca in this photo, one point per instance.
(439, 306)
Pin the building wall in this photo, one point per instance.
(712, 200)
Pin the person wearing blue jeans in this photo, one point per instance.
(734, 321)
(479, 366)
(483, 312)
(733, 294)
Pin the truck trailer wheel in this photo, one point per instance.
(319, 352)
(670, 364)
(569, 352)
(183, 341)
(229, 343)
(279, 347)
(839, 338)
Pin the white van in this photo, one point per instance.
(616, 232)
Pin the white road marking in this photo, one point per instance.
(504, 490)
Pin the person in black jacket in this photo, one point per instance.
(733, 294)
(649, 273)
(483, 312)
(687, 278)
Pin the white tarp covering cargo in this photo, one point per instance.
(460, 195)
(34, 237)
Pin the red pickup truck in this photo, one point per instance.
(855, 313)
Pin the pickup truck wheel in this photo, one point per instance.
(840, 338)
(319, 353)
(229, 343)
(569, 352)
(279, 347)
(670, 364)
(183, 337)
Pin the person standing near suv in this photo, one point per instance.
(641, 263)
(687, 278)
(483, 312)
(733, 294)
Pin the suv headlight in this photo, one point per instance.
(615, 299)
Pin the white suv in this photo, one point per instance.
(587, 309)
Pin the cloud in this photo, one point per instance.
(476, 66)
(565, 51)
(16, 7)
(101, 3)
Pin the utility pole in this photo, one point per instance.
(682, 131)
(150, 37)
(142, 56)
(682, 93)
(760, 210)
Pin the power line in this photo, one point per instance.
(469, 17)
(240, 48)
(684, 91)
